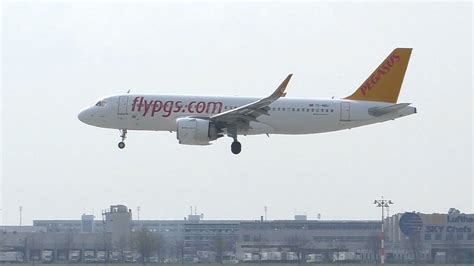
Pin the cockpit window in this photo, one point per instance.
(100, 103)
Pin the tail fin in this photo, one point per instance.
(385, 82)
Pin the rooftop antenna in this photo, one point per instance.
(266, 210)
(191, 209)
(195, 210)
(138, 213)
(21, 210)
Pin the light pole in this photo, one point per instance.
(383, 203)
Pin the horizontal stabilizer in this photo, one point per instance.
(379, 111)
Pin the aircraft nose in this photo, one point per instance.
(83, 115)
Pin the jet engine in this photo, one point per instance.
(195, 131)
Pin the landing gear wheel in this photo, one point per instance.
(123, 135)
(236, 147)
(121, 145)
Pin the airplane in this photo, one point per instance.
(199, 120)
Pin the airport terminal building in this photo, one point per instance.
(430, 238)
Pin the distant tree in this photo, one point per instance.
(179, 248)
(107, 244)
(220, 244)
(337, 246)
(69, 240)
(121, 245)
(160, 246)
(415, 245)
(453, 249)
(260, 240)
(373, 244)
(298, 244)
(144, 244)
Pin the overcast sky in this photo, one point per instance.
(58, 58)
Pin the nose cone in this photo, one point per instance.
(84, 116)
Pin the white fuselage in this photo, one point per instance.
(285, 116)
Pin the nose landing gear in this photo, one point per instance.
(123, 135)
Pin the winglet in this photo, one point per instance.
(385, 82)
(280, 91)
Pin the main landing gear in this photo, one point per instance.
(123, 135)
(236, 147)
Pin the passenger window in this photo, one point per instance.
(312, 110)
(278, 109)
(297, 109)
(283, 109)
(292, 109)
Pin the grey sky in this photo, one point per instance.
(57, 58)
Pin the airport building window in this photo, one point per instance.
(438, 236)
(427, 236)
(449, 236)
(470, 237)
(460, 236)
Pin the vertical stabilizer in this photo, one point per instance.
(384, 84)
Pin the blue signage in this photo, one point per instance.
(410, 223)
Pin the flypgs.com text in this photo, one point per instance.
(152, 107)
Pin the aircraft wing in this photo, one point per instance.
(241, 117)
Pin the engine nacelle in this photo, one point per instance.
(195, 131)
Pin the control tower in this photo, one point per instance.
(118, 222)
